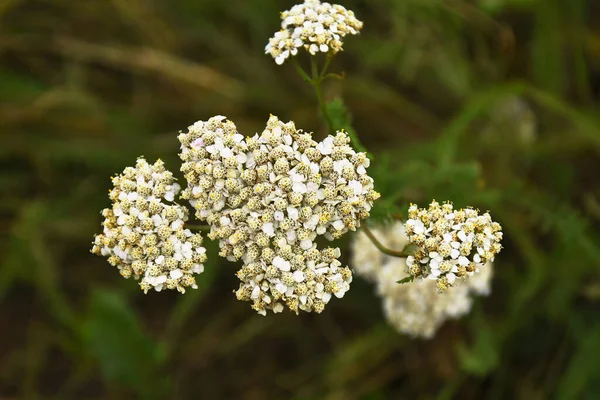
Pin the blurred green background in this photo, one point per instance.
(490, 103)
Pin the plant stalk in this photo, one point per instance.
(405, 252)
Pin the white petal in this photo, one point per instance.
(269, 229)
(338, 225)
(464, 261)
(176, 274)
(451, 277)
(298, 276)
(306, 244)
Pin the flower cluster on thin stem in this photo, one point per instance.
(144, 234)
(417, 309)
(268, 197)
(452, 243)
(314, 26)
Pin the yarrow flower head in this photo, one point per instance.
(300, 279)
(144, 233)
(269, 196)
(417, 309)
(452, 243)
(314, 26)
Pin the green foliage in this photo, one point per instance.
(582, 370)
(340, 119)
(408, 279)
(340, 116)
(124, 352)
(481, 357)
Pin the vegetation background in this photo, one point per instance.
(492, 103)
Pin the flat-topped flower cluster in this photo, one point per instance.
(417, 309)
(452, 243)
(143, 233)
(314, 26)
(267, 198)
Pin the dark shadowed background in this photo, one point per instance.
(490, 103)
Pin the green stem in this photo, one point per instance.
(301, 71)
(333, 76)
(317, 78)
(314, 69)
(405, 252)
(357, 143)
(317, 84)
(324, 70)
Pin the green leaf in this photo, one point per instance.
(407, 279)
(186, 305)
(17, 87)
(481, 357)
(115, 338)
(342, 120)
(582, 371)
(548, 50)
(498, 6)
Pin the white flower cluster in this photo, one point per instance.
(269, 196)
(452, 243)
(314, 26)
(417, 309)
(143, 232)
(302, 279)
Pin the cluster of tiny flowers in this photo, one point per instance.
(300, 279)
(314, 26)
(452, 243)
(269, 196)
(417, 309)
(143, 232)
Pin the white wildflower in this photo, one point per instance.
(299, 279)
(313, 26)
(418, 308)
(452, 243)
(287, 195)
(143, 232)
(290, 192)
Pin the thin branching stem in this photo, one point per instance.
(318, 75)
(357, 143)
(324, 70)
(317, 79)
(405, 252)
(301, 71)
(202, 228)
